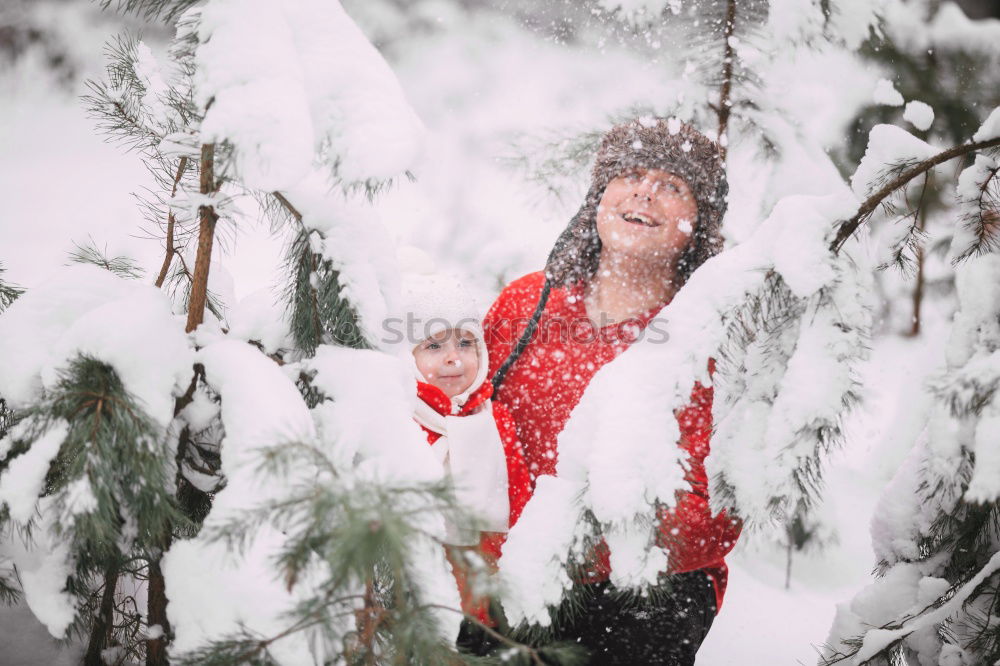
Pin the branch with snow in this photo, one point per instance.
(906, 173)
(319, 92)
(617, 456)
(934, 528)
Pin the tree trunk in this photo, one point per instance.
(100, 632)
(171, 222)
(788, 562)
(156, 598)
(206, 235)
(156, 648)
(725, 94)
(918, 289)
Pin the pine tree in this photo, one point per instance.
(956, 79)
(935, 530)
(134, 468)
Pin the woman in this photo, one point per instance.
(651, 217)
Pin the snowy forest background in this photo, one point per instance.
(507, 93)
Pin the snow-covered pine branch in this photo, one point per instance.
(774, 422)
(8, 291)
(935, 528)
(979, 198)
(239, 441)
(88, 466)
(168, 10)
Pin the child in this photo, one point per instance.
(472, 437)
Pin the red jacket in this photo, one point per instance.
(547, 382)
(518, 481)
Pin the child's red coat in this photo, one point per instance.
(518, 481)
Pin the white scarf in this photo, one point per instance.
(473, 457)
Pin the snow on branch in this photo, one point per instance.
(979, 203)
(87, 310)
(311, 88)
(904, 174)
(343, 279)
(315, 497)
(935, 527)
(616, 461)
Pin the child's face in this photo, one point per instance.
(448, 360)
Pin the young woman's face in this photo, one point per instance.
(648, 213)
(448, 360)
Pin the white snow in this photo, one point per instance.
(990, 129)
(919, 114)
(532, 570)
(76, 499)
(147, 69)
(886, 93)
(252, 418)
(888, 145)
(312, 88)
(973, 192)
(387, 443)
(213, 591)
(984, 485)
(898, 519)
(359, 247)
(260, 316)
(853, 21)
(951, 28)
(43, 569)
(22, 482)
(83, 309)
(795, 20)
(878, 639)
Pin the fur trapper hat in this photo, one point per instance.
(651, 143)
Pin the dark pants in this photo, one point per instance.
(664, 628)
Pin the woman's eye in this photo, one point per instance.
(467, 343)
(433, 345)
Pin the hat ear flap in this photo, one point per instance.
(576, 252)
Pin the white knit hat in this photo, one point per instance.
(432, 302)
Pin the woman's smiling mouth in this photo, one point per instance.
(640, 218)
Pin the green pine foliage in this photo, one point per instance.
(8, 294)
(167, 10)
(117, 449)
(164, 137)
(366, 609)
(318, 311)
(89, 253)
(110, 484)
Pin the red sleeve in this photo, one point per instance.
(695, 538)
